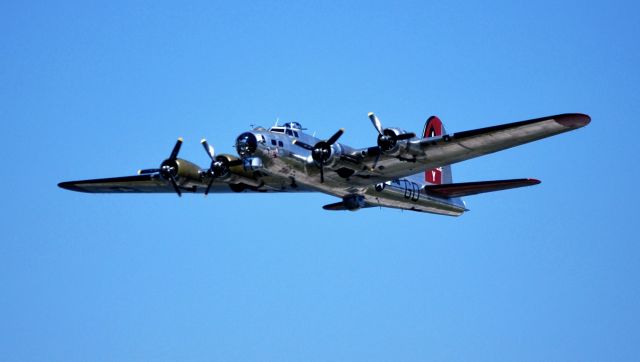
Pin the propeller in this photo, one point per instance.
(376, 122)
(387, 138)
(169, 168)
(321, 151)
(219, 166)
(212, 154)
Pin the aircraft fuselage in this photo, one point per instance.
(280, 157)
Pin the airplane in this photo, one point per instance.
(401, 171)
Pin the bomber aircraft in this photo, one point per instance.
(402, 171)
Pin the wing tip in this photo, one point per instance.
(573, 120)
(71, 186)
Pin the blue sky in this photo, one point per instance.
(90, 90)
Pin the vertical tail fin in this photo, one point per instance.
(441, 175)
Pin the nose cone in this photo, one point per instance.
(246, 144)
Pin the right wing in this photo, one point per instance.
(462, 146)
(429, 153)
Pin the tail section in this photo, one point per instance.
(441, 175)
(439, 181)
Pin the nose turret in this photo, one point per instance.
(246, 144)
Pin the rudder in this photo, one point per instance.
(441, 175)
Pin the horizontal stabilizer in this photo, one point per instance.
(473, 188)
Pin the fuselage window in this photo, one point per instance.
(280, 144)
(273, 142)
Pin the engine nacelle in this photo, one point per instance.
(181, 169)
(354, 202)
(391, 141)
(334, 155)
(233, 170)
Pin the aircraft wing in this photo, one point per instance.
(147, 183)
(429, 153)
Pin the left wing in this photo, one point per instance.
(178, 175)
(148, 183)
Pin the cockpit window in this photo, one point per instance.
(294, 125)
(295, 134)
(289, 127)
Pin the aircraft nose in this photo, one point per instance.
(246, 144)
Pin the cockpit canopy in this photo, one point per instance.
(293, 125)
(290, 128)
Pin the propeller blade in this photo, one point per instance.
(176, 149)
(375, 163)
(206, 192)
(321, 172)
(374, 151)
(209, 149)
(148, 171)
(175, 185)
(376, 122)
(335, 137)
(303, 145)
(405, 136)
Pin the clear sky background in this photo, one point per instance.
(546, 273)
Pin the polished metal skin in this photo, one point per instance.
(284, 158)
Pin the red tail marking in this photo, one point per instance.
(433, 128)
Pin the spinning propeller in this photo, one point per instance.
(321, 151)
(215, 167)
(219, 165)
(387, 138)
(168, 168)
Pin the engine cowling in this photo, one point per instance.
(327, 154)
(180, 169)
(390, 139)
(324, 153)
(231, 169)
(239, 166)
